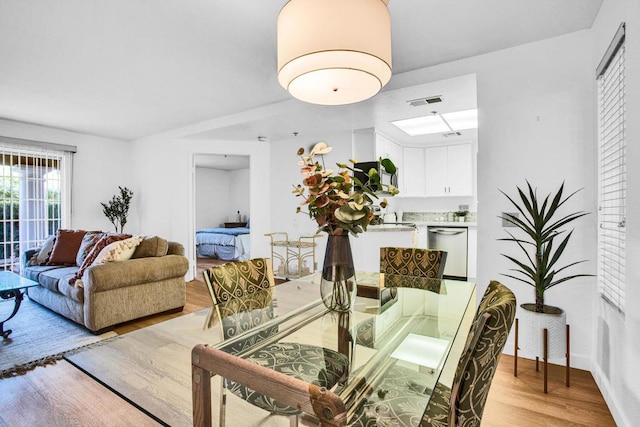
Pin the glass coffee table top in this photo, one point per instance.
(10, 281)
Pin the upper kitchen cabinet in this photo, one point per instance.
(449, 170)
(387, 149)
(412, 181)
(369, 146)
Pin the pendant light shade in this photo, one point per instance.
(334, 52)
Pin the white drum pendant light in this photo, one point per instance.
(334, 52)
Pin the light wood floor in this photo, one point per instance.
(61, 395)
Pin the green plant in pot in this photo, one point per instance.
(542, 240)
(460, 215)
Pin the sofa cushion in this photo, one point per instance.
(95, 251)
(41, 255)
(49, 278)
(151, 247)
(70, 290)
(33, 272)
(88, 242)
(66, 247)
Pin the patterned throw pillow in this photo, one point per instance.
(66, 247)
(118, 251)
(88, 242)
(93, 254)
(41, 255)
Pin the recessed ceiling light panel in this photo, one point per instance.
(460, 120)
(422, 125)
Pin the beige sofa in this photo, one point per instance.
(151, 282)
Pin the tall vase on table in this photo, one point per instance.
(338, 283)
(341, 205)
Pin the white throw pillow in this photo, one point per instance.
(44, 251)
(118, 251)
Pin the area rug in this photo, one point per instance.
(39, 337)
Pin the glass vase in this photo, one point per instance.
(338, 283)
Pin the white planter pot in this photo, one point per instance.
(531, 327)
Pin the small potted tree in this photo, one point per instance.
(117, 209)
(542, 239)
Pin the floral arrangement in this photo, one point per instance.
(339, 202)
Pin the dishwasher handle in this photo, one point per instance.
(445, 232)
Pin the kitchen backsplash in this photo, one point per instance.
(434, 217)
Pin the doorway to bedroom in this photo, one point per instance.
(222, 206)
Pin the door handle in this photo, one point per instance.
(446, 232)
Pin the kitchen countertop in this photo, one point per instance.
(407, 227)
(391, 227)
(445, 223)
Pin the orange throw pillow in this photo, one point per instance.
(66, 247)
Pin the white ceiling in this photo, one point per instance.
(133, 68)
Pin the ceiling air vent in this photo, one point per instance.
(425, 101)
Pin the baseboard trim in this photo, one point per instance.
(609, 397)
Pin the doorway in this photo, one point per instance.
(222, 206)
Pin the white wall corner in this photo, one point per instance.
(609, 397)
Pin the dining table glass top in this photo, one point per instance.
(400, 337)
(420, 330)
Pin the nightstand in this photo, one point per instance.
(234, 224)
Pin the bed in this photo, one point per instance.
(223, 243)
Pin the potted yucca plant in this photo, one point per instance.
(542, 240)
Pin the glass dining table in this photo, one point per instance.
(399, 342)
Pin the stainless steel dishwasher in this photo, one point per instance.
(453, 240)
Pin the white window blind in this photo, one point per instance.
(33, 198)
(612, 173)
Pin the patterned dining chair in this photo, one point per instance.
(463, 403)
(242, 296)
(412, 267)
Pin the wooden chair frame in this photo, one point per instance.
(310, 398)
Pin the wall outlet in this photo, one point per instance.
(506, 223)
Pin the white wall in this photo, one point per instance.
(100, 166)
(212, 194)
(239, 195)
(617, 336)
(283, 203)
(220, 194)
(167, 197)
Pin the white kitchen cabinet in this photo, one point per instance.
(413, 174)
(387, 149)
(449, 170)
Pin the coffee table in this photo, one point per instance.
(11, 286)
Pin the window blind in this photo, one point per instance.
(33, 187)
(612, 174)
